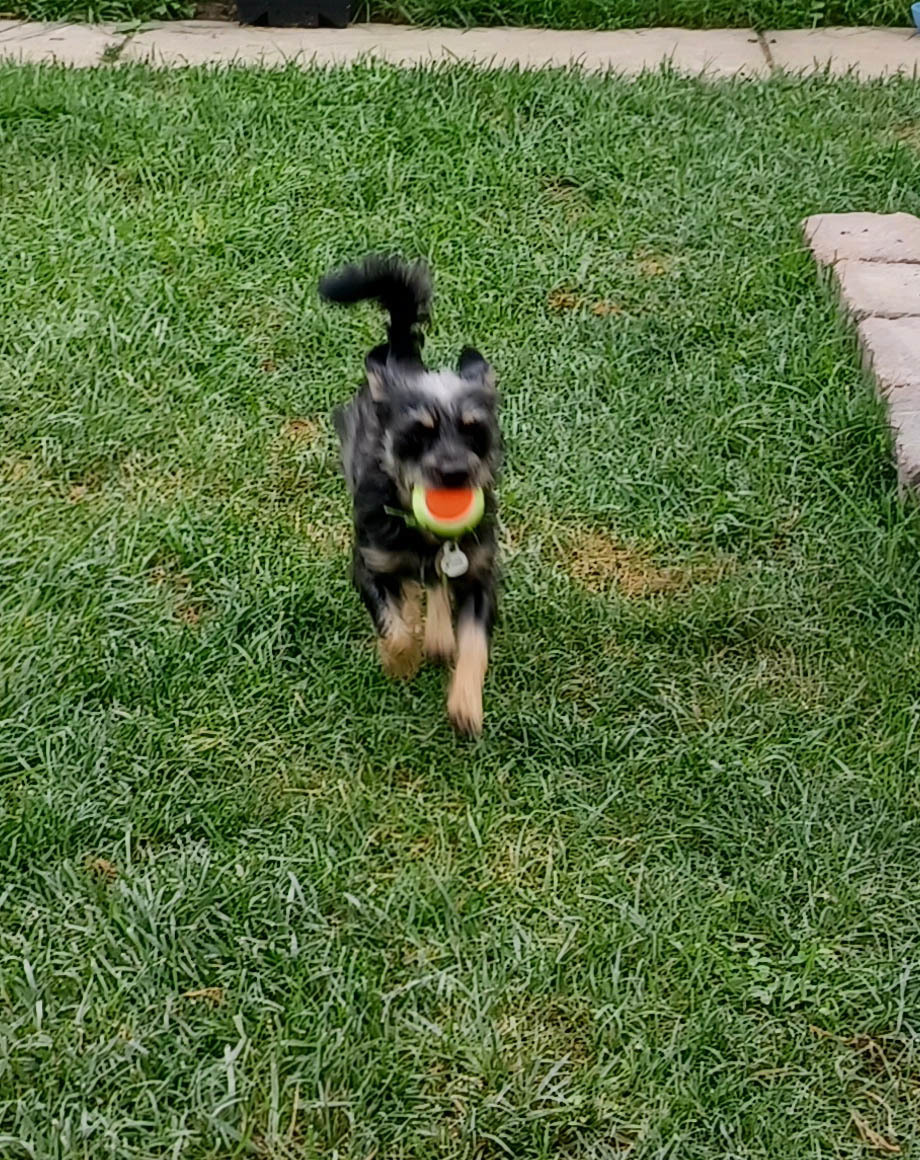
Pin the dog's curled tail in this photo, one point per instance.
(402, 288)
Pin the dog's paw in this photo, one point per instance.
(464, 707)
(400, 655)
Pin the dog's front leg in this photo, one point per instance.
(440, 644)
(475, 617)
(395, 608)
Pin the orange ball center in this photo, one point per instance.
(448, 503)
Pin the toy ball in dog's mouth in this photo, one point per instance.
(447, 511)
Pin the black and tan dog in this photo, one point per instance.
(410, 426)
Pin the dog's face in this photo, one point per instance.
(440, 428)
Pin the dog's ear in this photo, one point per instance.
(474, 368)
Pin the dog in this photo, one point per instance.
(410, 426)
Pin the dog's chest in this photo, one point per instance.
(404, 551)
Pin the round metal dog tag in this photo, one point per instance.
(454, 560)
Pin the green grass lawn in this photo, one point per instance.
(542, 13)
(619, 13)
(255, 900)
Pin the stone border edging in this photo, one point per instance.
(875, 260)
(865, 52)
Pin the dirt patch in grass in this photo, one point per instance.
(881, 1071)
(14, 470)
(560, 189)
(553, 1027)
(651, 264)
(597, 561)
(302, 444)
(909, 135)
(604, 308)
(565, 198)
(330, 538)
(85, 487)
(523, 859)
(302, 431)
(169, 577)
(101, 869)
(212, 996)
(303, 486)
(563, 300)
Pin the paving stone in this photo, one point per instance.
(883, 289)
(73, 44)
(891, 350)
(192, 42)
(731, 52)
(869, 237)
(871, 258)
(905, 429)
(867, 52)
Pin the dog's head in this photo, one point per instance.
(440, 428)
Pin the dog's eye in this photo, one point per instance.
(422, 432)
(476, 435)
(415, 438)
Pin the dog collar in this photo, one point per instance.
(451, 560)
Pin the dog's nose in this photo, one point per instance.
(454, 478)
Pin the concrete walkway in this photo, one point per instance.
(875, 259)
(867, 52)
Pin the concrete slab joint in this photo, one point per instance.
(875, 260)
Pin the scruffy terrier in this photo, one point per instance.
(409, 427)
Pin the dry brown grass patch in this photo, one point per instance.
(596, 560)
(173, 580)
(553, 1027)
(80, 490)
(651, 264)
(603, 308)
(302, 431)
(212, 996)
(560, 188)
(14, 470)
(909, 135)
(782, 673)
(567, 198)
(564, 299)
(524, 859)
(510, 539)
(142, 478)
(873, 1139)
(102, 869)
(884, 1086)
(329, 538)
